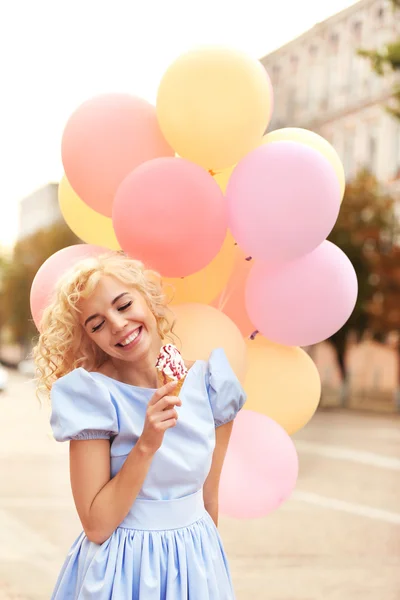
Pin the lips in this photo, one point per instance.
(128, 339)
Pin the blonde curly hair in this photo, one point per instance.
(63, 344)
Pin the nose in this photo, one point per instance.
(118, 322)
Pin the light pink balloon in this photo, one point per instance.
(104, 140)
(171, 214)
(260, 469)
(51, 270)
(283, 201)
(305, 301)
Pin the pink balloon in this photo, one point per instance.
(305, 301)
(283, 201)
(260, 469)
(51, 270)
(171, 214)
(104, 140)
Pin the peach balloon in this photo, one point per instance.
(89, 225)
(104, 140)
(232, 299)
(205, 285)
(281, 382)
(201, 328)
(170, 214)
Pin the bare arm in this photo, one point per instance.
(211, 485)
(102, 503)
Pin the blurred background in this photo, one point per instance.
(335, 70)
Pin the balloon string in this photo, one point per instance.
(226, 296)
(223, 299)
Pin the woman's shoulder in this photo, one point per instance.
(74, 379)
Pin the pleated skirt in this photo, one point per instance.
(163, 550)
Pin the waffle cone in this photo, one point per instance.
(164, 379)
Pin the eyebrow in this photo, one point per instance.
(112, 304)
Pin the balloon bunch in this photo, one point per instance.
(237, 221)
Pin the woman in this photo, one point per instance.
(145, 465)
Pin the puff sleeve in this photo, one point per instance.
(226, 394)
(82, 408)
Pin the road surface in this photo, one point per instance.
(338, 538)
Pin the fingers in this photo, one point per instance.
(158, 416)
(167, 402)
(164, 425)
(166, 415)
(163, 391)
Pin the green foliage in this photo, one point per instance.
(29, 254)
(387, 60)
(365, 231)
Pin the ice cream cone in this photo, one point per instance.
(163, 379)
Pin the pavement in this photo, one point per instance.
(337, 538)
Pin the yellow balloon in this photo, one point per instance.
(213, 106)
(222, 177)
(281, 382)
(201, 328)
(313, 140)
(89, 225)
(205, 285)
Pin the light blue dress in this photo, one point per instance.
(168, 547)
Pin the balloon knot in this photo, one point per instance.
(254, 334)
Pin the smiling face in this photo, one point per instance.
(118, 319)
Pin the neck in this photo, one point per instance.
(142, 372)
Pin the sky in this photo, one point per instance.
(58, 53)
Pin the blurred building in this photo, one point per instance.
(320, 83)
(39, 210)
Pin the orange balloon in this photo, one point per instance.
(281, 382)
(206, 284)
(201, 328)
(231, 301)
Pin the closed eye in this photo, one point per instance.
(121, 308)
(125, 306)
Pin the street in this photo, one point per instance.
(338, 538)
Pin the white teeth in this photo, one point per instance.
(130, 339)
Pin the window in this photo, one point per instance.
(334, 42)
(357, 30)
(348, 155)
(294, 63)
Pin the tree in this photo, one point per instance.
(29, 254)
(366, 230)
(387, 60)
